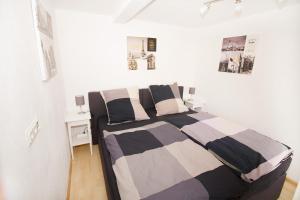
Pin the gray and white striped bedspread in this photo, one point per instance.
(157, 161)
(250, 153)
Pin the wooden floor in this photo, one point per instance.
(288, 191)
(87, 182)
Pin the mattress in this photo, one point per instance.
(112, 188)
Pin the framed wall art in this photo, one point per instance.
(141, 53)
(44, 34)
(238, 54)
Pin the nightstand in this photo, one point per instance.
(79, 130)
(196, 105)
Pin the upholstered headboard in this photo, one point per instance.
(98, 108)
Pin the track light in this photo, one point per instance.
(238, 6)
(204, 9)
(237, 3)
(206, 6)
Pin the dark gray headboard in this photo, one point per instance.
(98, 108)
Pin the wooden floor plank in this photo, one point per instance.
(87, 181)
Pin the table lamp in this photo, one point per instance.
(79, 100)
(192, 91)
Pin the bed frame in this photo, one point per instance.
(267, 187)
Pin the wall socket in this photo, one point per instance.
(32, 131)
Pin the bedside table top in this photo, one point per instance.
(189, 100)
(75, 116)
(195, 102)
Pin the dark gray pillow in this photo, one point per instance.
(123, 105)
(167, 99)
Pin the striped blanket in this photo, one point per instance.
(157, 161)
(248, 152)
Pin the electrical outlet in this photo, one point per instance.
(32, 131)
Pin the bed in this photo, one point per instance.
(267, 187)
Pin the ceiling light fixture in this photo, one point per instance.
(238, 6)
(206, 6)
(204, 9)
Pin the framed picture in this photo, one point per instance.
(151, 45)
(44, 21)
(238, 54)
(44, 34)
(141, 53)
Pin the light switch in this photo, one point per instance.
(32, 131)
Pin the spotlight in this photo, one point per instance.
(204, 9)
(238, 6)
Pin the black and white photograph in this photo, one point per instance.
(238, 54)
(44, 35)
(48, 55)
(44, 21)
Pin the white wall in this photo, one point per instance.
(41, 171)
(93, 53)
(268, 99)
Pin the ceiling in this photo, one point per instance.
(104, 7)
(177, 12)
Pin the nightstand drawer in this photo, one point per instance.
(80, 140)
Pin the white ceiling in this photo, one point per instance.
(177, 12)
(104, 7)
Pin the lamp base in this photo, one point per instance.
(81, 111)
(191, 98)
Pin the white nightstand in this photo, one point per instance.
(76, 121)
(195, 104)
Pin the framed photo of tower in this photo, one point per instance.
(238, 54)
(141, 53)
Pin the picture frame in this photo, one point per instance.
(42, 22)
(141, 53)
(238, 54)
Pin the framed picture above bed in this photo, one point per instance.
(141, 53)
(238, 54)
